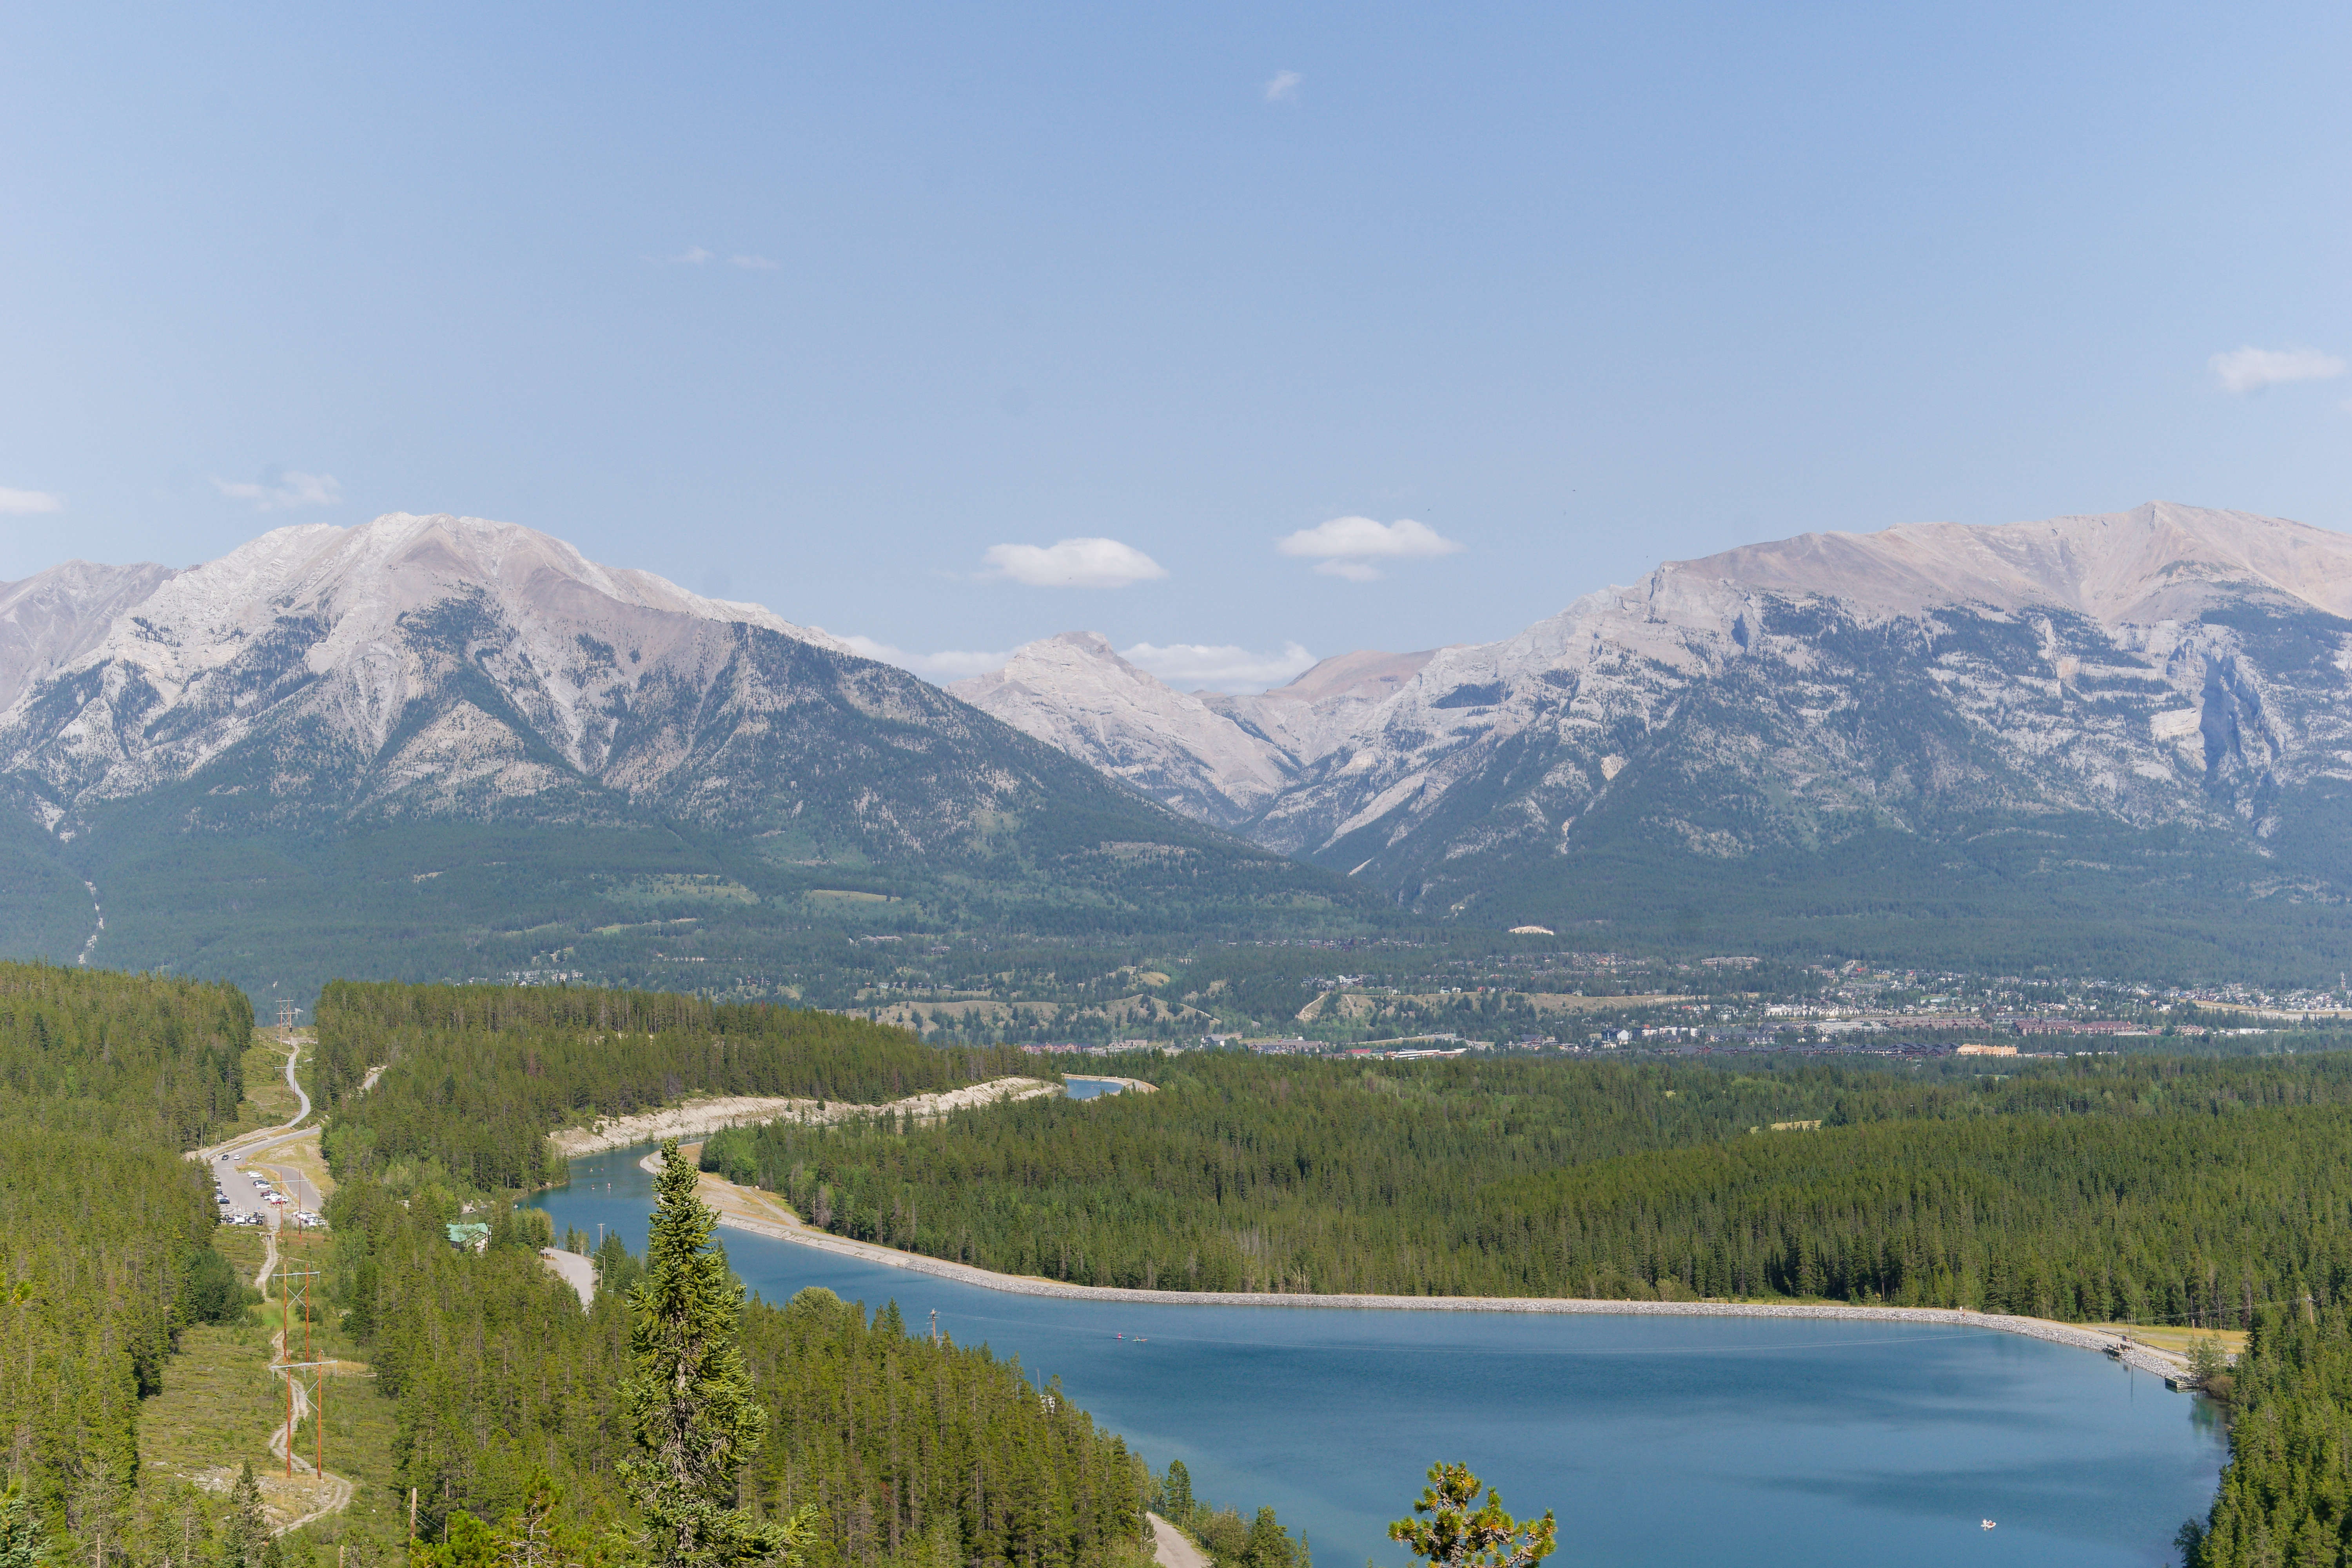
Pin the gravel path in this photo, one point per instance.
(574, 1270)
(1170, 1547)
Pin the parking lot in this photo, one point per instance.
(249, 1205)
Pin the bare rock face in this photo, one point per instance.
(459, 668)
(2165, 667)
(1074, 693)
(53, 618)
(2072, 690)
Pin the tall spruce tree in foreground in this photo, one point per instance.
(690, 1400)
(1454, 1536)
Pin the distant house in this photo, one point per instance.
(471, 1236)
(1975, 1050)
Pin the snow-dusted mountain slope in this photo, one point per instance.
(411, 745)
(1210, 754)
(2166, 667)
(1072, 691)
(1306, 718)
(1833, 698)
(431, 658)
(458, 668)
(54, 616)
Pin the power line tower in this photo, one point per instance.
(286, 1018)
(315, 1386)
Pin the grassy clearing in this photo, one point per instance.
(2173, 1338)
(220, 1404)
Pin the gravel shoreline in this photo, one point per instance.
(2142, 1357)
(701, 1118)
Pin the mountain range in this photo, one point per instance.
(2131, 732)
(430, 746)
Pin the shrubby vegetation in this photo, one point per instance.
(476, 1075)
(104, 1078)
(2085, 1191)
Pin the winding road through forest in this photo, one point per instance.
(331, 1493)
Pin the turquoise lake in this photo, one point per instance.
(1658, 1441)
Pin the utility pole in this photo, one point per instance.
(412, 1516)
(935, 1325)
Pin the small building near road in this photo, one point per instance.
(471, 1236)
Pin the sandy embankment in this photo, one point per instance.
(698, 1118)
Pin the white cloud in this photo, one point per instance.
(1284, 87)
(289, 489)
(1218, 667)
(28, 503)
(751, 263)
(692, 255)
(1347, 546)
(2252, 369)
(953, 665)
(1072, 563)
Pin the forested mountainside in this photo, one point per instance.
(104, 1078)
(476, 1076)
(2127, 730)
(438, 747)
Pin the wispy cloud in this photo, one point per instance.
(1282, 88)
(284, 490)
(751, 263)
(1218, 667)
(692, 255)
(2252, 369)
(1072, 563)
(28, 503)
(1347, 546)
(953, 665)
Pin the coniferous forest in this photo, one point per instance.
(476, 1075)
(2085, 1193)
(507, 1403)
(2208, 1190)
(104, 1078)
(909, 1452)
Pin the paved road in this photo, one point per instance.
(229, 1162)
(1169, 1545)
(575, 1271)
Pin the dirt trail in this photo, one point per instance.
(329, 1493)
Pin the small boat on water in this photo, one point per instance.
(1987, 1523)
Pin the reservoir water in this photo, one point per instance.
(1659, 1441)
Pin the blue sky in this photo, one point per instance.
(861, 311)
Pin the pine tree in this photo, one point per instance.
(23, 1542)
(1177, 1492)
(690, 1401)
(245, 1535)
(1455, 1537)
